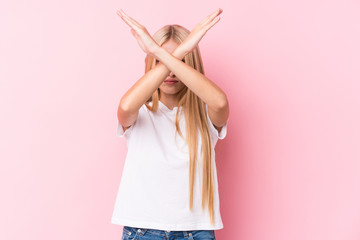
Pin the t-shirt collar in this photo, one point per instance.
(165, 108)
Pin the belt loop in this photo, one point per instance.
(185, 234)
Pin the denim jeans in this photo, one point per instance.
(134, 233)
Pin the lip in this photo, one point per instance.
(171, 80)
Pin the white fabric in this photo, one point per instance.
(154, 187)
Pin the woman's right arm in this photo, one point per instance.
(142, 90)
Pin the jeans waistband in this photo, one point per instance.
(142, 231)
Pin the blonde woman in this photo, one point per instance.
(171, 118)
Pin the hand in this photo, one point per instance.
(146, 42)
(192, 40)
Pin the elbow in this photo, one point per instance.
(223, 102)
(123, 106)
(121, 109)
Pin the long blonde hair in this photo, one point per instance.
(195, 116)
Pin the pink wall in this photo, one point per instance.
(289, 167)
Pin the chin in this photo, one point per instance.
(170, 91)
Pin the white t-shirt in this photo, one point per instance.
(154, 188)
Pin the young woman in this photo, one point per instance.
(171, 118)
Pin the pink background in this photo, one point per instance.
(288, 168)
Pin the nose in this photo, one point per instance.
(171, 74)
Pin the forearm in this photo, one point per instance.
(204, 88)
(143, 89)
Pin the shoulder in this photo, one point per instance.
(127, 131)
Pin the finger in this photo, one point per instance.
(127, 20)
(134, 25)
(212, 23)
(211, 16)
(133, 32)
(214, 15)
(131, 24)
(123, 17)
(133, 21)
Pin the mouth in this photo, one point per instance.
(171, 81)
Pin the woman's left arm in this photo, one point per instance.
(204, 88)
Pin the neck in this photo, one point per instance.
(169, 100)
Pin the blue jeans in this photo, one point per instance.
(133, 233)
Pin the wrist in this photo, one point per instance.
(157, 52)
(179, 52)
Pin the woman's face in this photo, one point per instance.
(170, 88)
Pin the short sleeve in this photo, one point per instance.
(120, 131)
(223, 130)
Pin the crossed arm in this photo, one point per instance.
(204, 88)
